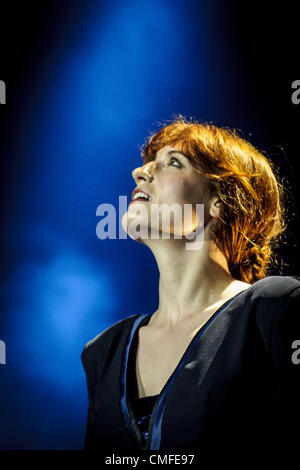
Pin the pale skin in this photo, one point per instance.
(192, 284)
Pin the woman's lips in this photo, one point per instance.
(138, 199)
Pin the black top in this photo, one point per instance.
(142, 410)
(236, 387)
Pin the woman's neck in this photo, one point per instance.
(192, 282)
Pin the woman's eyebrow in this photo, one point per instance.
(174, 151)
(170, 152)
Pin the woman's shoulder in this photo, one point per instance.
(268, 296)
(275, 286)
(105, 338)
(275, 301)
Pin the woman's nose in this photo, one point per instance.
(144, 171)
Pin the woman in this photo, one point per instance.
(212, 366)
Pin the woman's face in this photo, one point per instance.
(169, 179)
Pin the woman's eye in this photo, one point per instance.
(173, 158)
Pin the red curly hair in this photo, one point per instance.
(246, 181)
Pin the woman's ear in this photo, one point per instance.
(215, 207)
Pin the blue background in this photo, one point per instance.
(86, 84)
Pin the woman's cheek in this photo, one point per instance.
(174, 191)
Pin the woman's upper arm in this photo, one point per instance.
(285, 338)
(89, 368)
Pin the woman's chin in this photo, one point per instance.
(133, 229)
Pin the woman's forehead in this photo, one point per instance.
(168, 149)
